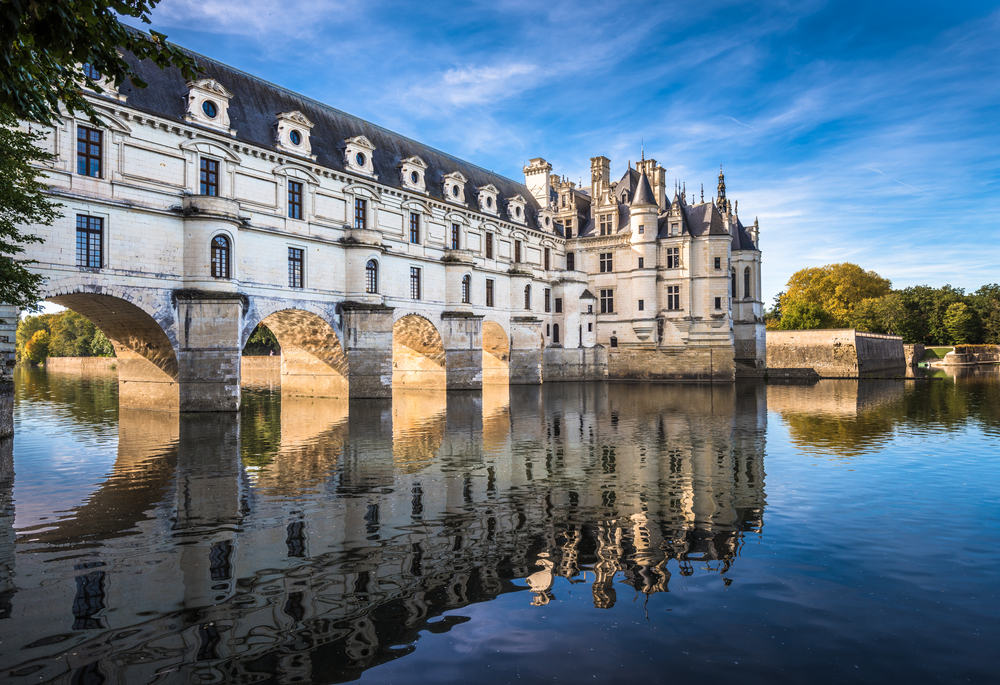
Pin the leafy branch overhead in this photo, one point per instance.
(45, 45)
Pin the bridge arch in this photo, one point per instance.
(496, 354)
(142, 330)
(313, 361)
(418, 355)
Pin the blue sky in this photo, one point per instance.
(856, 131)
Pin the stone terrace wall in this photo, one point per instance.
(575, 364)
(81, 364)
(836, 353)
(973, 354)
(688, 364)
(913, 354)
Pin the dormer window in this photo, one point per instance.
(515, 209)
(487, 198)
(91, 72)
(411, 174)
(454, 187)
(291, 134)
(208, 105)
(358, 156)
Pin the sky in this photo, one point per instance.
(866, 132)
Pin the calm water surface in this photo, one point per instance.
(839, 532)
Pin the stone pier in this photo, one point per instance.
(368, 341)
(8, 328)
(462, 334)
(525, 350)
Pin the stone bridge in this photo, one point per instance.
(179, 348)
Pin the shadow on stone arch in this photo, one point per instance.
(496, 354)
(147, 363)
(313, 363)
(418, 359)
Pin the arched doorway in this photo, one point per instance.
(418, 359)
(148, 375)
(496, 354)
(313, 363)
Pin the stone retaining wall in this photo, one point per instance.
(836, 353)
(973, 354)
(913, 354)
(575, 364)
(81, 364)
(682, 364)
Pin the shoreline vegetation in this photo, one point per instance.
(846, 296)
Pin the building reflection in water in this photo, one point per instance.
(317, 538)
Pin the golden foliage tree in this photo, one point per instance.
(836, 288)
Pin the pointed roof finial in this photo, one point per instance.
(642, 147)
(703, 193)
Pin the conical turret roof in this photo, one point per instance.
(643, 193)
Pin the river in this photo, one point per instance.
(844, 531)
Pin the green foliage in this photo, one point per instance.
(22, 203)
(47, 43)
(880, 315)
(801, 315)
(36, 350)
(261, 342)
(960, 322)
(70, 335)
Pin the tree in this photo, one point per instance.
(262, 342)
(960, 322)
(45, 46)
(37, 349)
(880, 315)
(836, 288)
(801, 315)
(22, 202)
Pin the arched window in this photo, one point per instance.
(371, 276)
(570, 261)
(732, 287)
(467, 289)
(527, 297)
(555, 333)
(746, 284)
(220, 257)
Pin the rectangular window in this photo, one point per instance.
(570, 261)
(294, 267)
(642, 305)
(455, 231)
(209, 177)
(89, 145)
(590, 328)
(641, 262)
(718, 303)
(605, 224)
(548, 300)
(489, 246)
(414, 228)
(489, 292)
(569, 228)
(89, 241)
(673, 258)
(718, 262)
(607, 265)
(673, 297)
(642, 229)
(294, 200)
(590, 309)
(547, 258)
(675, 229)
(517, 251)
(414, 283)
(558, 305)
(607, 301)
(360, 212)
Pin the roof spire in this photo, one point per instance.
(642, 148)
(703, 193)
(722, 188)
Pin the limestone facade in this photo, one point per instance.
(199, 210)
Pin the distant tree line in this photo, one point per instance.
(66, 334)
(847, 296)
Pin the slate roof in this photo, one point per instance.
(742, 239)
(253, 110)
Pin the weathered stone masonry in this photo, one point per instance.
(227, 202)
